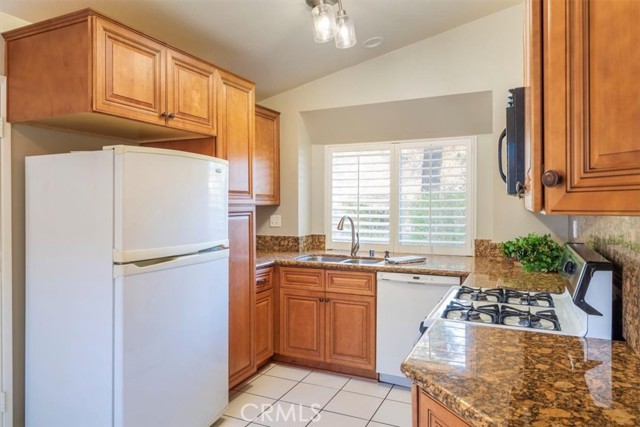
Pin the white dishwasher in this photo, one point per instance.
(404, 300)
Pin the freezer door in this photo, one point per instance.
(171, 342)
(167, 202)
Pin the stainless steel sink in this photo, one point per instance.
(321, 258)
(362, 261)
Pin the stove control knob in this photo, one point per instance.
(569, 267)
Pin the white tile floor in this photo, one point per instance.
(284, 396)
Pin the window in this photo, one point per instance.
(404, 196)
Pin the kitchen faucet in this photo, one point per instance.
(355, 237)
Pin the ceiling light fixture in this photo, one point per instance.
(326, 26)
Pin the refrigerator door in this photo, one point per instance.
(171, 341)
(167, 203)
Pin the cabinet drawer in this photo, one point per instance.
(264, 279)
(302, 278)
(347, 282)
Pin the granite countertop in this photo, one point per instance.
(500, 377)
(479, 271)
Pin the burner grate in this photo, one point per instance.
(477, 294)
(538, 299)
(543, 319)
(470, 313)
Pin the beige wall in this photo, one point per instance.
(8, 22)
(30, 141)
(483, 55)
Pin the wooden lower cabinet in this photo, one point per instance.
(264, 326)
(334, 328)
(302, 324)
(351, 334)
(242, 296)
(427, 412)
(265, 309)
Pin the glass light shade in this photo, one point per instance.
(324, 23)
(346, 33)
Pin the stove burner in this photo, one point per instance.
(470, 313)
(540, 299)
(477, 294)
(544, 319)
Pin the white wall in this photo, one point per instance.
(486, 54)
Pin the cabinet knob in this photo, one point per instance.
(550, 178)
(171, 116)
(164, 115)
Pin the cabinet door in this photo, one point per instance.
(242, 296)
(236, 133)
(264, 326)
(302, 324)
(190, 93)
(431, 413)
(129, 74)
(533, 105)
(351, 330)
(591, 106)
(266, 168)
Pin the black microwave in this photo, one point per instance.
(514, 177)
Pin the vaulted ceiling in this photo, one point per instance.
(270, 41)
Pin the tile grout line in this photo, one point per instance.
(379, 406)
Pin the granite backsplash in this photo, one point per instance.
(311, 242)
(618, 239)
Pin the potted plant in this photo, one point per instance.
(534, 252)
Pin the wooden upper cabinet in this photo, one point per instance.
(236, 133)
(266, 167)
(191, 93)
(129, 74)
(533, 195)
(87, 73)
(590, 108)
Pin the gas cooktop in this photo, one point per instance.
(584, 309)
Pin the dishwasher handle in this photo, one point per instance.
(419, 279)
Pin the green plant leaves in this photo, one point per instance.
(535, 252)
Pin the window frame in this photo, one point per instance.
(395, 146)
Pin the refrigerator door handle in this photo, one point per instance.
(130, 256)
(140, 267)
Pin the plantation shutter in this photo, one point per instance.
(433, 200)
(361, 189)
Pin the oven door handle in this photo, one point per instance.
(503, 135)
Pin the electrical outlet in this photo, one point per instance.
(574, 229)
(275, 221)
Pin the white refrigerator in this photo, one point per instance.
(126, 289)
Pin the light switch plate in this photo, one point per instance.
(275, 221)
